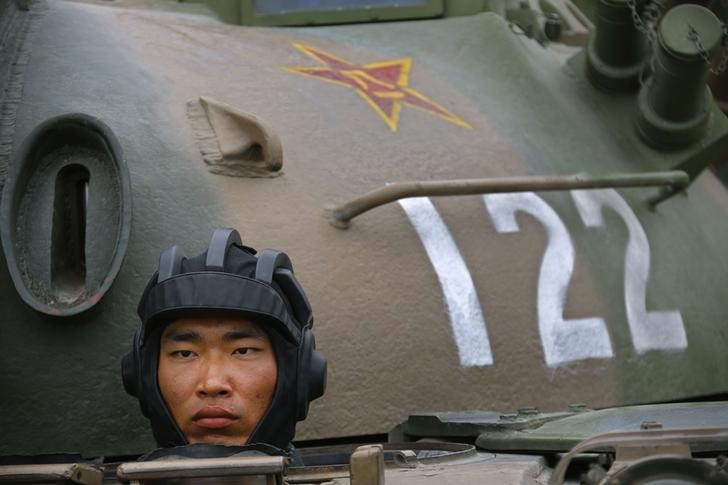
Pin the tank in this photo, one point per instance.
(508, 217)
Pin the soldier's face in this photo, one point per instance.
(217, 376)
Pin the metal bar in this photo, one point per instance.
(202, 467)
(73, 472)
(339, 216)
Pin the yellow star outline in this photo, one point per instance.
(383, 85)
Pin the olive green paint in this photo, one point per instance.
(616, 50)
(562, 434)
(50, 402)
(380, 315)
(532, 431)
(680, 66)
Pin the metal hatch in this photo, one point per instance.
(530, 430)
(564, 434)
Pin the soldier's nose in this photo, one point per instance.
(213, 382)
(213, 391)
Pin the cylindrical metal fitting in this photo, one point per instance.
(553, 27)
(617, 49)
(675, 104)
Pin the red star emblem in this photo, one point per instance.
(383, 85)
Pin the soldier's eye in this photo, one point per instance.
(184, 354)
(243, 350)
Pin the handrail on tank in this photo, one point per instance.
(340, 215)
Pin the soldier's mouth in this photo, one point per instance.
(213, 417)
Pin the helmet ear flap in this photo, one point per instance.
(131, 371)
(317, 375)
(128, 374)
(312, 374)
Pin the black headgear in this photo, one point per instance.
(229, 278)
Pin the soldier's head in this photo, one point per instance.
(225, 353)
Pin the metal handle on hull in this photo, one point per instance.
(340, 215)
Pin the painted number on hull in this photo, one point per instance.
(466, 316)
(563, 340)
(649, 330)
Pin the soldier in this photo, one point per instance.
(225, 353)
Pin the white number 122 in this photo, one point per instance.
(563, 340)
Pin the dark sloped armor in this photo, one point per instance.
(228, 278)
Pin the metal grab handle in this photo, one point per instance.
(340, 215)
(235, 466)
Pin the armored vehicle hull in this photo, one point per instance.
(129, 126)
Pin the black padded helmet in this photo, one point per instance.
(229, 278)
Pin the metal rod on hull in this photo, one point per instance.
(340, 215)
